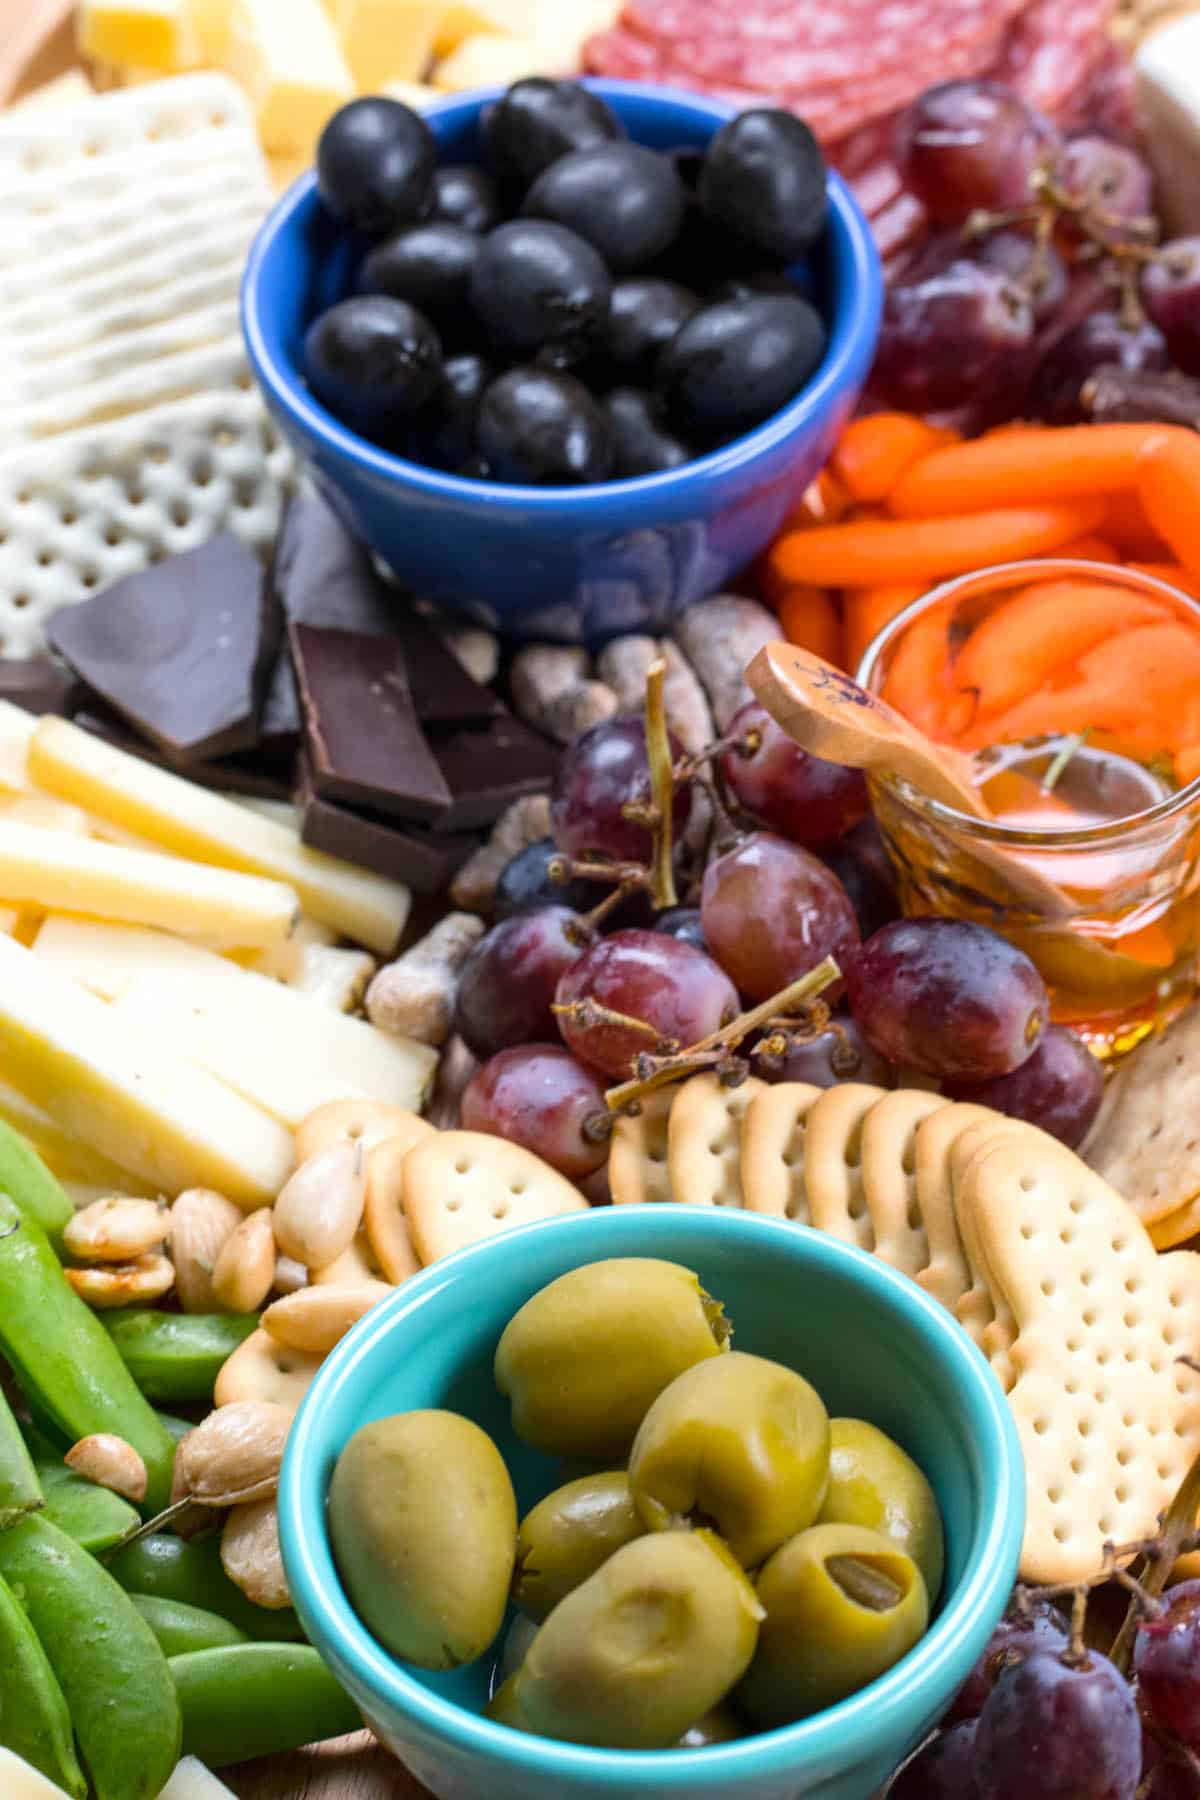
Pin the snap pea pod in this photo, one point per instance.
(178, 1428)
(181, 1629)
(176, 1357)
(34, 1721)
(25, 1177)
(258, 1700)
(191, 1571)
(114, 1678)
(94, 1516)
(64, 1360)
(20, 1490)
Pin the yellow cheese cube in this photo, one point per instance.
(63, 1154)
(387, 40)
(210, 22)
(490, 60)
(210, 829)
(123, 1093)
(473, 18)
(59, 872)
(286, 55)
(149, 34)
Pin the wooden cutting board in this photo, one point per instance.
(347, 1769)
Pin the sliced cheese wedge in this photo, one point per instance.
(468, 18)
(387, 40)
(149, 34)
(192, 822)
(60, 872)
(287, 57)
(193, 1781)
(123, 1091)
(65, 1156)
(16, 731)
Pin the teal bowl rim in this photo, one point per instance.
(872, 1721)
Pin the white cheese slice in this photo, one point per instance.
(192, 1781)
(123, 1091)
(286, 56)
(20, 1781)
(1168, 92)
(191, 822)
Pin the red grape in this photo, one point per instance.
(648, 976)
(1171, 291)
(1112, 181)
(1042, 274)
(1059, 1087)
(943, 1769)
(539, 1096)
(947, 997)
(1019, 1633)
(1166, 1658)
(600, 774)
(800, 796)
(1099, 340)
(840, 1053)
(962, 334)
(1058, 1730)
(972, 144)
(1165, 1775)
(866, 877)
(508, 982)
(772, 912)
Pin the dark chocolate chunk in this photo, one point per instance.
(423, 860)
(257, 775)
(38, 685)
(443, 693)
(362, 737)
(182, 649)
(487, 767)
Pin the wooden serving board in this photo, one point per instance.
(353, 1768)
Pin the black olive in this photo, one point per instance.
(538, 284)
(375, 164)
(464, 195)
(372, 361)
(734, 364)
(642, 444)
(765, 281)
(449, 421)
(430, 267)
(543, 429)
(643, 317)
(627, 201)
(764, 181)
(537, 121)
(688, 160)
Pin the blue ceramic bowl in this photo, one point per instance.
(875, 1345)
(580, 563)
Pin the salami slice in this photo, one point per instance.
(1052, 49)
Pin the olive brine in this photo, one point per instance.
(578, 309)
(732, 1560)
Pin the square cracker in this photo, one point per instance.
(461, 1186)
(638, 1172)
(704, 1139)
(774, 1136)
(1109, 1419)
(1146, 1139)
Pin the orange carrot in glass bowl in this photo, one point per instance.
(808, 616)
(1126, 526)
(1089, 549)
(1073, 463)
(1172, 573)
(1168, 486)
(865, 612)
(887, 552)
(874, 452)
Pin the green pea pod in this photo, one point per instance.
(180, 1628)
(258, 1700)
(20, 1490)
(178, 1428)
(94, 1516)
(27, 1180)
(114, 1677)
(34, 1721)
(172, 1569)
(64, 1360)
(176, 1357)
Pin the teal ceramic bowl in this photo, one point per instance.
(875, 1345)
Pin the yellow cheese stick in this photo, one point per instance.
(16, 731)
(192, 822)
(387, 40)
(150, 34)
(125, 1094)
(44, 811)
(63, 1154)
(287, 57)
(61, 873)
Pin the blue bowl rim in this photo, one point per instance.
(874, 1720)
(855, 325)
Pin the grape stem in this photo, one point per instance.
(659, 1071)
(562, 869)
(147, 1527)
(1179, 1526)
(588, 1013)
(662, 788)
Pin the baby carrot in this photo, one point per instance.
(873, 453)
(1075, 462)
(1040, 631)
(1168, 486)
(809, 617)
(1126, 526)
(875, 552)
(1172, 574)
(918, 681)
(866, 611)
(1187, 764)
(1089, 549)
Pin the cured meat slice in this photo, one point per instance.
(1052, 50)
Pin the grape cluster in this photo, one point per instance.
(1042, 267)
(582, 977)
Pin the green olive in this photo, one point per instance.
(568, 1535)
(720, 1726)
(517, 1640)
(423, 1521)
(642, 1651)
(741, 1444)
(873, 1482)
(583, 1361)
(843, 1604)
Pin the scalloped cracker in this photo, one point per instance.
(462, 1186)
(704, 1140)
(638, 1171)
(774, 1141)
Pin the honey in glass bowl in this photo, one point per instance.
(1086, 747)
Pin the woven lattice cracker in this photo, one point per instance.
(1109, 1418)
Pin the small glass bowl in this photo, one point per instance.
(1107, 906)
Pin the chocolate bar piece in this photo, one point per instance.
(257, 775)
(423, 860)
(363, 741)
(38, 685)
(182, 650)
(487, 767)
